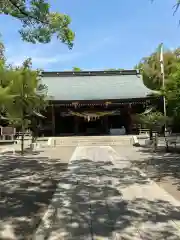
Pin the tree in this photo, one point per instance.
(29, 97)
(172, 94)
(38, 23)
(151, 70)
(153, 121)
(114, 69)
(5, 77)
(175, 6)
(22, 96)
(77, 69)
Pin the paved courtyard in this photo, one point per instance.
(102, 196)
(93, 192)
(27, 185)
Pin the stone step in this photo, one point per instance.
(91, 143)
(94, 137)
(86, 139)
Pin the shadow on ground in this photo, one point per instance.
(27, 151)
(88, 204)
(26, 187)
(163, 149)
(161, 165)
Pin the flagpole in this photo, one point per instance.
(163, 81)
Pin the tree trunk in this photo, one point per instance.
(150, 134)
(166, 141)
(34, 136)
(155, 142)
(22, 138)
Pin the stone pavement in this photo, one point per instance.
(102, 197)
(27, 185)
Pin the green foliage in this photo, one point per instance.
(21, 95)
(172, 93)
(114, 69)
(38, 23)
(150, 67)
(77, 69)
(2, 50)
(176, 6)
(28, 93)
(153, 120)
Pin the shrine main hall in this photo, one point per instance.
(93, 102)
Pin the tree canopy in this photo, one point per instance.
(154, 120)
(114, 69)
(22, 96)
(77, 69)
(28, 94)
(176, 5)
(39, 24)
(151, 70)
(172, 93)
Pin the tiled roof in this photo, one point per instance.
(95, 86)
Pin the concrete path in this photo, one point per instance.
(102, 197)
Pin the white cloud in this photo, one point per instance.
(44, 55)
(43, 61)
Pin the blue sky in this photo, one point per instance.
(109, 34)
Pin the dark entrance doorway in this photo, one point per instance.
(87, 122)
(92, 127)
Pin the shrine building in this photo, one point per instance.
(93, 102)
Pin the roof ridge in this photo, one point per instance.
(88, 73)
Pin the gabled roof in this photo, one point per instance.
(95, 85)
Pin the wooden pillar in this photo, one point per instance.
(129, 119)
(53, 120)
(76, 125)
(106, 124)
